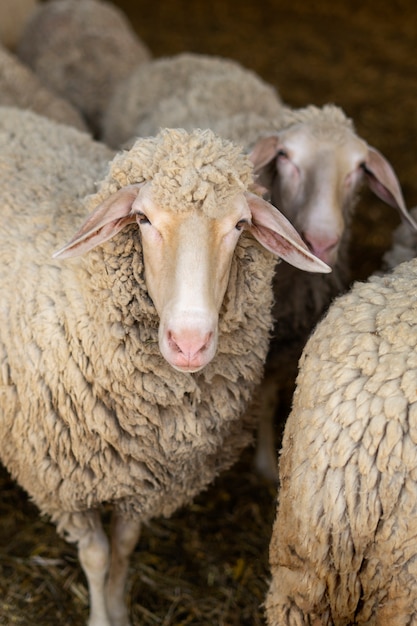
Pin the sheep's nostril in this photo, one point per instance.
(189, 344)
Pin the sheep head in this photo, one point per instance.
(314, 168)
(189, 229)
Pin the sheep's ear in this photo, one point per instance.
(277, 235)
(383, 182)
(264, 150)
(110, 217)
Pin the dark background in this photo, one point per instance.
(207, 566)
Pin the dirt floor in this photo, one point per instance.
(207, 566)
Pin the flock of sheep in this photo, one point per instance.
(146, 326)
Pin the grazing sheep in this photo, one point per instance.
(343, 549)
(13, 17)
(190, 91)
(126, 371)
(81, 49)
(19, 87)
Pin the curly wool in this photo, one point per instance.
(326, 122)
(187, 170)
(343, 546)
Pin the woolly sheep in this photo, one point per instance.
(21, 88)
(13, 17)
(81, 49)
(310, 160)
(119, 383)
(315, 167)
(190, 91)
(343, 545)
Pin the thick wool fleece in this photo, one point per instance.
(343, 548)
(188, 171)
(188, 91)
(327, 122)
(20, 87)
(90, 410)
(81, 49)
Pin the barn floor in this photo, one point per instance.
(207, 566)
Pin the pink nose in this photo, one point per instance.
(188, 347)
(323, 248)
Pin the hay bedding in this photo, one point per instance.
(207, 566)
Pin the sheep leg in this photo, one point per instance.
(124, 537)
(266, 456)
(93, 554)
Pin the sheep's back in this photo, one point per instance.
(347, 514)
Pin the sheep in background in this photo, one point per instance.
(310, 160)
(343, 548)
(190, 91)
(314, 167)
(13, 17)
(20, 87)
(81, 49)
(128, 366)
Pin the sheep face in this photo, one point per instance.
(314, 173)
(187, 257)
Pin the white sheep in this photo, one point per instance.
(311, 161)
(13, 17)
(343, 549)
(126, 370)
(314, 167)
(191, 91)
(81, 49)
(20, 87)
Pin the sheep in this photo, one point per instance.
(129, 356)
(20, 87)
(13, 17)
(81, 49)
(311, 161)
(343, 543)
(315, 167)
(190, 91)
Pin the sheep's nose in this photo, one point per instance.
(325, 248)
(189, 348)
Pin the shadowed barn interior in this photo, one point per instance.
(208, 565)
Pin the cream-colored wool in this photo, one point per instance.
(81, 49)
(191, 91)
(13, 17)
(86, 396)
(343, 548)
(20, 87)
(203, 171)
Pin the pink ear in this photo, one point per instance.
(384, 183)
(110, 217)
(264, 150)
(277, 235)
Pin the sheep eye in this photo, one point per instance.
(241, 224)
(281, 154)
(141, 218)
